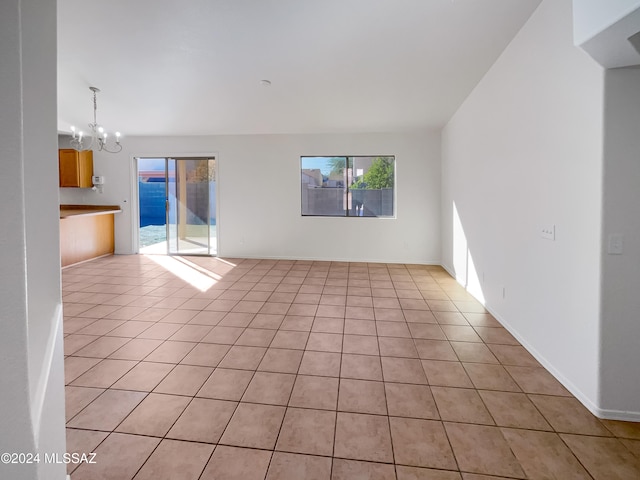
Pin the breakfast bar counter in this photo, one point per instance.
(86, 232)
(78, 210)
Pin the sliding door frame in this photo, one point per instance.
(180, 195)
(134, 198)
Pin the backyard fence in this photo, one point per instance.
(363, 202)
(152, 203)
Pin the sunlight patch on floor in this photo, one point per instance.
(187, 271)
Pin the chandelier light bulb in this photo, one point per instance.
(101, 130)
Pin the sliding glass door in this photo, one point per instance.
(190, 206)
(177, 205)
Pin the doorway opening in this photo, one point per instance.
(177, 205)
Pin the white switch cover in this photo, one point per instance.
(548, 232)
(616, 242)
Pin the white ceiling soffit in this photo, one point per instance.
(172, 67)
(618, 45)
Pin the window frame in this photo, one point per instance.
(349, 180)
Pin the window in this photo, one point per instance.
(348, 186)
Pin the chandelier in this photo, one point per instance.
(97, 137)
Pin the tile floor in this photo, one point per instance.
(204, 368)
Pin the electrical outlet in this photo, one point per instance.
(548, 232)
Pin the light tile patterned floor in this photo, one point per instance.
(204, 368)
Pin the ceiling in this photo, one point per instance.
(172, 67)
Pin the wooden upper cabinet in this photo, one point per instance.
(76, 168)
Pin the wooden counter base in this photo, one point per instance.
(83, 237)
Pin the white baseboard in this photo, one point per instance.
(606, 414)
(323, 259)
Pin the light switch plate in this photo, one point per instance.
(616, 244)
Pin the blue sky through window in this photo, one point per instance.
(322, 163)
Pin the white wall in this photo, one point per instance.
(523, 152)
(259, 195)
(31, 382)
(620, 281)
